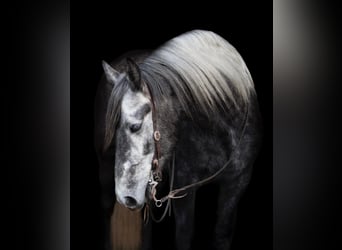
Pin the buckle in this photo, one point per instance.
(156, 135)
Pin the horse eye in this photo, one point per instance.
(135, 127)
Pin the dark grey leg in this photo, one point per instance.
(224, 229)
(147, 236)
(106, 217)
(229, 196)
(106, 174)
(184, 212)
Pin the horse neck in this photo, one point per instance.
(202, 148)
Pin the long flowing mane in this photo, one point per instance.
(203, 70)
(197, 66)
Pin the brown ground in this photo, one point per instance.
(126, 228)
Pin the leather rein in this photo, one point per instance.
(156, 172)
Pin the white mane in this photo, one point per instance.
(204, 67)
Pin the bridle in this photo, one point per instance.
(156, 173)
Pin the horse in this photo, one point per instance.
(177, 131)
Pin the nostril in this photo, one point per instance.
(130, 201)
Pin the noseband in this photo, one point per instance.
(156, 172)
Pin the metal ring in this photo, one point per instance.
(158, 203)
(156, 135)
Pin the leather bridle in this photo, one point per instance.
(156, 170)
(156, 173)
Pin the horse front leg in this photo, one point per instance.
(229, 196)
(106, 216)
(224, 228)
(108, 198)
(184, 212)
(147, 236)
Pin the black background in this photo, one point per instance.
(35, 99)
(103, 32)
(39, 150)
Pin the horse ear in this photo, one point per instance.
(112, 75)
(134, 75)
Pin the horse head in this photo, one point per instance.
(134, 135)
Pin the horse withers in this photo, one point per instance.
(176, 129)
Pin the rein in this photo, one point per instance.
(156, 174)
